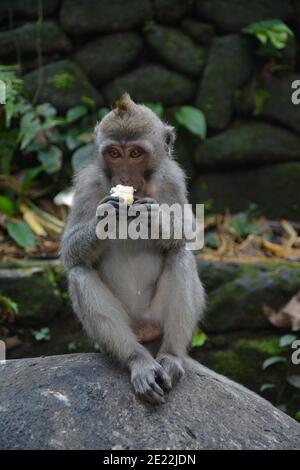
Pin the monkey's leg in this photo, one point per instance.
(106, 321)
(179, 301)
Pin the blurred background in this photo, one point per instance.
(221, 72)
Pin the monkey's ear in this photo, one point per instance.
(169, 139)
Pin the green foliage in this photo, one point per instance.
(244, 227)
(6, 304)
(42, 335)
(157, 108)
(192, 119)
(199, 339)
(297, 416)
(7, 206)
(63, 80)
(261, 97)
(272, 360)
(273, 36)
(21, 234)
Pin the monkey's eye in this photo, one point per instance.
(114, 153)
(136, 153)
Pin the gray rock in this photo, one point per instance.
(229, 65)
(151, 83)
(106, 57)
(233, 15)
(63, 85)
(238, 304)
(28, 8)
(274, 188)
(171, 11)
(84, 401)
(277, 105)
(253, 143)
(53, 39)
(107, 16)
(201, 32)
(176, 49)
(35, 290)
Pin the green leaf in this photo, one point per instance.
(264, 387)
(88, 101)
(30, 174)
(8, 304)
(212, 241)
(76, 113)
(46, 110)
(294, 380)
(192, 119)
(21, 234)
(243, 227)
(273, 360)
(51, 159)
(199, 339)
(297, 416)
(287, 340)
(103, 112)
(7, 206)
(82, 157)
(42, 335)
(157, 108)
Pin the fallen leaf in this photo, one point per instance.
(288, 317)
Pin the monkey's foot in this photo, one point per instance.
(146, 332)
(149, 381)
(172, 365)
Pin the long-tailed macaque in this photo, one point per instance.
(114, 283)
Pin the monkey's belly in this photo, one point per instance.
(131, 271)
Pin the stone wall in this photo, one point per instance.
(176, 52)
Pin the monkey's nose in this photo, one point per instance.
(126, 181)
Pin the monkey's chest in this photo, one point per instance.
(131, 271)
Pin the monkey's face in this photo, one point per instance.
(129, 164)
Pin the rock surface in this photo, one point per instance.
(29, 8)
(229, 64)
(63, 85)
(108, 56)
(233, 15)
(253, 143)
(106, 16)
(176, 49)
(274, 188)
(170, 11)
(277, 105)
(53, 39)
(151, 83)
(86, 402)
(35, 289)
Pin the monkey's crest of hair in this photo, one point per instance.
(129, 117)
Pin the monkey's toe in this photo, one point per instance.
(149, 385)
(172, 365)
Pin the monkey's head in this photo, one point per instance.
(132, 144)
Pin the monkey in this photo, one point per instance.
(113, 283)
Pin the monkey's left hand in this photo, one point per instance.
(146, 202)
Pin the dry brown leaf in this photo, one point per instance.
(288, 317)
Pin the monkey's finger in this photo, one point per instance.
(164, 380)
(144, 390)
(109, 198)
(145, 200)
(156, 387)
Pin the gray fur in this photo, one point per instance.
(113, 282)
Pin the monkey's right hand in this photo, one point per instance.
(149, 380)
(108, 203)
